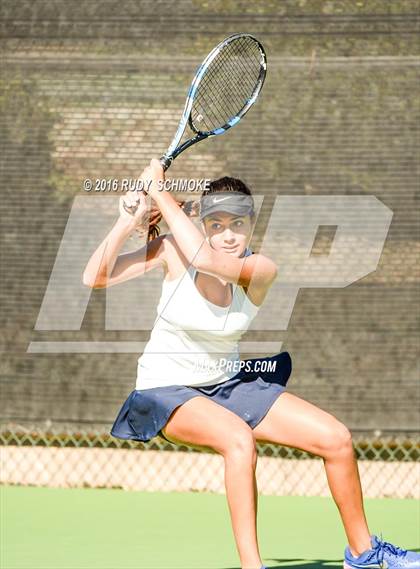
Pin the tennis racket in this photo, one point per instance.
(224, 88)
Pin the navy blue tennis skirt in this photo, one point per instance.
(249, 394)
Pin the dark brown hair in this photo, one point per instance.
(227, 184)
(191, 207)
(155, 217)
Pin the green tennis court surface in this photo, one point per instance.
(47, 528)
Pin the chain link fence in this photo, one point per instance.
(68, 456)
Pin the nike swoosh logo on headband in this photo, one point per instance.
(221, 199)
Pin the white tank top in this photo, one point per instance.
(193, 341)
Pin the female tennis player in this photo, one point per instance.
(191, 388)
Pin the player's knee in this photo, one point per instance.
(337, 440)
(241, 443)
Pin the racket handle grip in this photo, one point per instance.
(165, 161)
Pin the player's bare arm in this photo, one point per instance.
(256, 271)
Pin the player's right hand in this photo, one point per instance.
(136, 202)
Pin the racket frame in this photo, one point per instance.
(174, 150)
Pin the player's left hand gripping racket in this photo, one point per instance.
(224, 88)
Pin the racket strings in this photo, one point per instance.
(227, 96)
(228, 62)
(213, 108)
(228, 84)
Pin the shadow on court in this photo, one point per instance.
(314, 563)
(304, 564)
(307, 564)
(311, 564)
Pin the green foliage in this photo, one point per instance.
(27, 118)
(26, 132)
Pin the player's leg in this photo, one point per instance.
(202, 423)
(294, 422)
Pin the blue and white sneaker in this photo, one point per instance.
(383, 555)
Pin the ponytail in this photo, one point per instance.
(189, 207)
